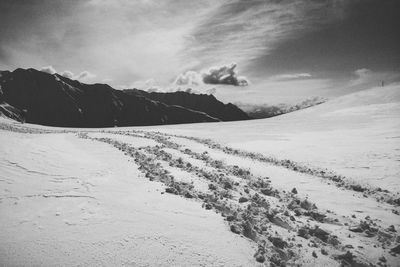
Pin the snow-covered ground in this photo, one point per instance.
(69, 202)
(97, 196)
(357, 135)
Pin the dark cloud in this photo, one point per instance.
(367, 36)
(224, 75)
(22, 19)
(27, 33)
(243, 30)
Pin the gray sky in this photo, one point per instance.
(288, 50)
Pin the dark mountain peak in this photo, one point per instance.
(19, 70)
(52, 99)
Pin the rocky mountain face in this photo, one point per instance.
(41, 98)
(204, 103)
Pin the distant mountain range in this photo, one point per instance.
(37, 97)
(205, 103)
(267, 111)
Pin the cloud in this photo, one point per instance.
(362, 73)
(146, 85)
(189, 78)
(364, 78)
(291, 76)
(211, 91)
(83, 76)
(226, 74)
(67, 74)
(147, 31)
(163, 38)
(48, 69)
(245, 30)
(190, 82)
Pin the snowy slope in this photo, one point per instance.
(357, 135)
(168, 196)
(68, 202)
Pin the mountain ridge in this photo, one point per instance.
(200, 102)
(53, 100)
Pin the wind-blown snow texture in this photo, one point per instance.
(313, 187)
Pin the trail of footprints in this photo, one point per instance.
(286, 228)
(381, 195)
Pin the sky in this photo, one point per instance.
(250, 51)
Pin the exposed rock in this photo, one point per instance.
(260, 258)
(319, 233)
(346, 258)
(208, 206)
(319, 217)
(243, 199)
(212, 187)
(280, 221)
(358, 188)
(188, 195)
(396, 249)
(267, 191)
(278, 242)
(248, 230)
(391, 228)
(307, 205)
(276, 260)
(365, 226)
(171, 190)
(396, 201)
(230, 218)
(356, 229)
(227, 185)
(235, 229)
(303, 232)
